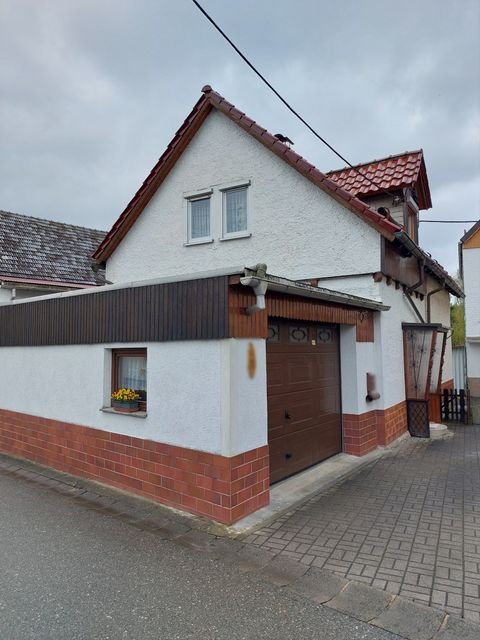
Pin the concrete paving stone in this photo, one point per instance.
(409, 619)
(424, 593)
(318, 585)
(457, 629)
(474, 616)
(252, 558)
(282, 571)
(360, 601)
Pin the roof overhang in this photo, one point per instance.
(431, 266)
(301, 289)
(36, 282)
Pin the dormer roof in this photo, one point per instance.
(388, 174)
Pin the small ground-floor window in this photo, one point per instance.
(129, 371)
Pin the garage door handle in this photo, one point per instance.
(288, 456)
(287, 415)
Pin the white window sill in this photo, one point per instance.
(192, 243)
(133, 414)
(237, 236)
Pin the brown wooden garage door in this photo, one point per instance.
(304, 413)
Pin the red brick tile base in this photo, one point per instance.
(225, 489)
(364, 432)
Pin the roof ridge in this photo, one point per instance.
(49, 221)
(376, 160)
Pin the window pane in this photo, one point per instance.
(236, 210)
(132, 372)
(200, 218)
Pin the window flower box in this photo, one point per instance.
(125, 400)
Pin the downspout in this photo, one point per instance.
(13, 290)
(421, 264)
(429, 295)
(259, 286)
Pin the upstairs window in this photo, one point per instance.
(199, 219)
(235, 213)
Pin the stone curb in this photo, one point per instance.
(395, 614)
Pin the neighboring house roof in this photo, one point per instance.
(389, 174)
(212, 100)
(470, 233)
(37, 251)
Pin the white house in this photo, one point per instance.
(262, 310)
(470, 272)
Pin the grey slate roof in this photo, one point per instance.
(37, 249)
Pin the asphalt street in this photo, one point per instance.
(69, 572)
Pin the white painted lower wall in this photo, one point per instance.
(384, 358)
(196, 391)
(356, 360)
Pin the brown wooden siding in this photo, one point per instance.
(280, 305)
(189, 310)
(403, 269)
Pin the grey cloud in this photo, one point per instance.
(91, 92)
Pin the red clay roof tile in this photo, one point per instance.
(389, 174)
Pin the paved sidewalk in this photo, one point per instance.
(358, 603)
(408, 524)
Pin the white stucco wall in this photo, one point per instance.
(386, 201)
(21, 294)
(197, 391)
(389, 339)
(471, 282)
(297, 230)
(361, 285)
(356, 360)
(440, 312)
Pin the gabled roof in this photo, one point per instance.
(389, 174)
(37, 251)
(471, 232)
(212, 100)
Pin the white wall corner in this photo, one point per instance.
(348, 369)
(107, 377)
(226, 408)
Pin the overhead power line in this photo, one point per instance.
(451, 221)
(282, 99)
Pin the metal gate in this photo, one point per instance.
(455, 405)
(424, 348)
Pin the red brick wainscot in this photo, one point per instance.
(221, 488)
(365, 432)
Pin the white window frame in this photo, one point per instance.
(245, 233)
(203, 194)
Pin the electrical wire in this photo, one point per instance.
(451, 221)
(282, 99)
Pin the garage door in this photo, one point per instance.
(304, 413)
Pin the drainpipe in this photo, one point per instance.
(259, 286)
(421, 265)
(13, 291)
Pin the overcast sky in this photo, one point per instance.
(92, 91)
